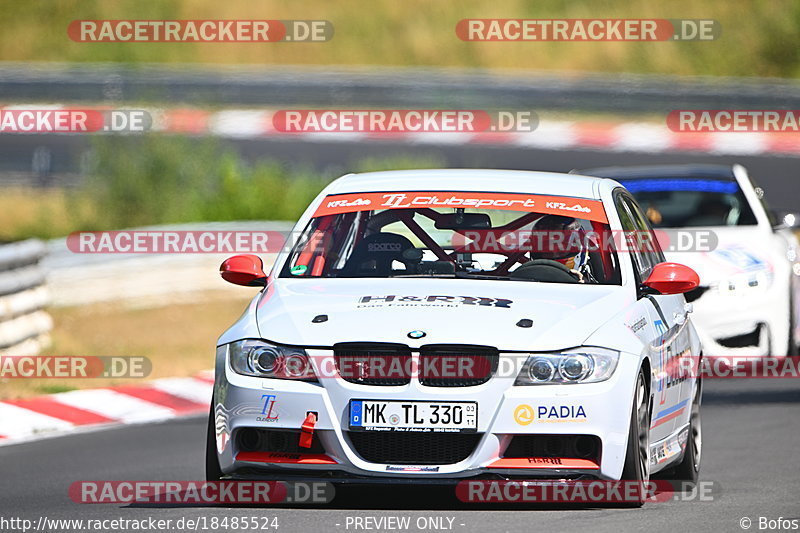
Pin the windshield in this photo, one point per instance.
(456, 235)
(677, 203)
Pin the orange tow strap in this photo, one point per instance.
(307, 430)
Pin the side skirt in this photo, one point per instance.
(669, 451)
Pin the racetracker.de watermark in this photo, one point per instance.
(139, 522)
(734, 120)
(403, 121)
(732, 367)
(201, 492)
(499, 240)
(481, 367)
(175, 242)
(51, 120)
(560, 243)
(200, 31)
(74, 367)
(591, 30)
(583, 492)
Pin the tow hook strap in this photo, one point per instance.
(307, 430)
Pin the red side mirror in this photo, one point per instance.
(247, 270)
(672, 278)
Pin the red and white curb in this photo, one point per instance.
(80, 410)
(550, 134)
(645, 137)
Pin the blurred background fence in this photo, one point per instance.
(390, 87)
(24, 325)
(147, 280)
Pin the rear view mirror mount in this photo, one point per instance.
(463, 221)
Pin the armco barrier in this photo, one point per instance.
(146, 280)
(24, 325)
(421, 88)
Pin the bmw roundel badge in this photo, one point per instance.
(416, 334)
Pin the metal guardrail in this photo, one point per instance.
(24, 324)
(390, 87)
(146, 280)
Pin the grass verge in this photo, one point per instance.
(179, 340)
(159, 179)
(759, 37)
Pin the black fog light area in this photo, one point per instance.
(249, 439)
(564, 446)
(585, 446)
(274, 440)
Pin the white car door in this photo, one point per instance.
(669, 336)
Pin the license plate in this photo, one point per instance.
(390, 415)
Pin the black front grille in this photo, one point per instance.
(413, 448)
(457, 365)
(375, 363)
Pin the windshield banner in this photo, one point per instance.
(535, 203)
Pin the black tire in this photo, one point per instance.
(213, 471)
(637, 456)
(688, 470)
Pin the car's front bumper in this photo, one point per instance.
(249, 402)
(750, 322)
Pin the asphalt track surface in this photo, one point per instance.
(778, 175)
(751, 435)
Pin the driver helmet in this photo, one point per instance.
(563, 240)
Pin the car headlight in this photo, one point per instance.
(264, 360)
(582, 365)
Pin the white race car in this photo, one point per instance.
(749, 293)
(442, 325)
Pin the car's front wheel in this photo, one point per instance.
(637, 456)
(213, 471)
